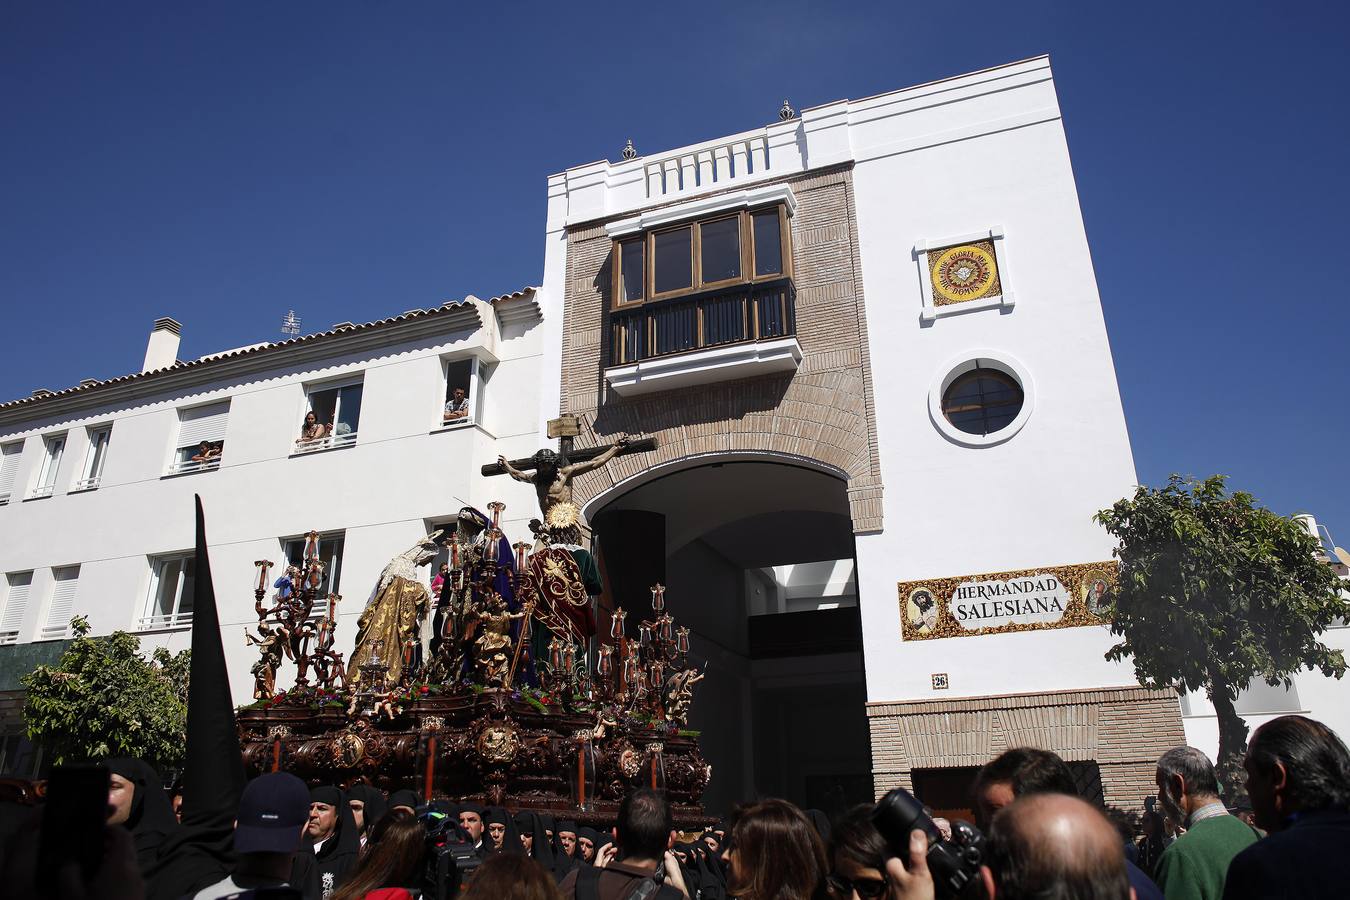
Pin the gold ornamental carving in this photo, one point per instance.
(629, 762)
(278, 732)
(348, 749)
(433, 723)
(498, 743)
(1000, 602)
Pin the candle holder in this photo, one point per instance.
(497, 507)
(658, 597)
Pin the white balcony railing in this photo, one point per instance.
(709, 165)
(4, 498)
(169, 620)
(54, 633)
(42, 490)
(87, 484)
(9, 637)
(331, 442)
(195, 465)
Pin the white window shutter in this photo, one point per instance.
(63, 598)
(16, 603)
(9, 467)
(203, 423)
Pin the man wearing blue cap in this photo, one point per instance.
(268, 832)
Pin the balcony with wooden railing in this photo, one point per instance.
(734, 332)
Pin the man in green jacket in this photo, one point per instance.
(1194, 867)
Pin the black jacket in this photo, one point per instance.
(1307, 860)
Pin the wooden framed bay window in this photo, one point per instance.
(722, 250)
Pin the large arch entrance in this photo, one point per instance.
(758, 561)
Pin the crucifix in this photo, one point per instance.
(553, 471)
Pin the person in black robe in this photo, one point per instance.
(602, 839)
(585, 852)
(368, 805)
(470, 815)
(564, 851)
(200, 853)
(151, 820)
(404, 798)
(336, 854)
(539, 845)
(498, 819)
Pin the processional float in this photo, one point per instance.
(514, 699)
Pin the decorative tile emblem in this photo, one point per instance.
(997, 602)
(940, 682)
(964, 272)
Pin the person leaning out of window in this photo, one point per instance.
(457, 407)
(311, 430)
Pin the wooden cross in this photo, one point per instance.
(566, 429)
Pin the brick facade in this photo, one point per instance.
(1124, 730)
(823, 412)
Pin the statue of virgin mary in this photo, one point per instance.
(394, 615)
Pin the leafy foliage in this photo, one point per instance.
(1215, 591)
(103, 698)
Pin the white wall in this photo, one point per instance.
(403, 470)
(934, 162)
(956, 510)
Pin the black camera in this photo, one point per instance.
(451, 860)
(954, 864)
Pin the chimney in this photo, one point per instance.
(162, 349)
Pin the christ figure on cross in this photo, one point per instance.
(552, 478)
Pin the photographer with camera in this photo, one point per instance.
(1040, 845)
(646, 870)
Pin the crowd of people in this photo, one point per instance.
(1039, 840)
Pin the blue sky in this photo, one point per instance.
(222, 163)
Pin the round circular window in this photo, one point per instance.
(982, 401)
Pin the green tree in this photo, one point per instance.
(103, 698)
(1214, 592)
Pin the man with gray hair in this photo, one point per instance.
(1195, 866)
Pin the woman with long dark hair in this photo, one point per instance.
(774, 853)
(512, 876)
(394, 858)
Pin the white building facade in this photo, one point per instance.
(868, 341)
(936, 345)
(100, 479)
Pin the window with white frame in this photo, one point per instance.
(1258, 697)
(169, 604)
(53, 448)
(16, 603)
(463, 385)
(330, 550)
(65, 583)
(94, 459)
(201, 437)
(9, 469)
(333, 414)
